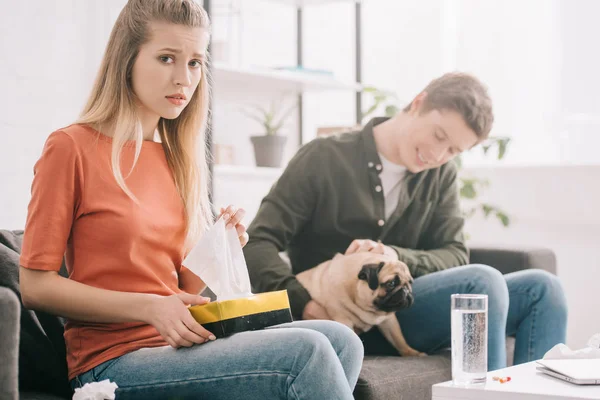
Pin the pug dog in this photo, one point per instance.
(362, 290)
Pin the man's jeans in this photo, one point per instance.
(300, 360)
(529, 304)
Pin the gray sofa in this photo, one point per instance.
(381, 377)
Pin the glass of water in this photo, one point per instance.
(469, 338)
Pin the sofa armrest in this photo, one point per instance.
(512, 259)
(10, 314)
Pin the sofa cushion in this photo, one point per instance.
(9, 349)
(395, 377)
(42, 352)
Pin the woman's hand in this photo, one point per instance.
(233, 218)
(172, 319)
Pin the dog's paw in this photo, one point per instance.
(410, 352)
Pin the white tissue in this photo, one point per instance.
(594, 341)
(561, 351)
(103, 390)
(219, 261)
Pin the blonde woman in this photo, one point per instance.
(125, 209)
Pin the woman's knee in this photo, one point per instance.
(343, 338)
(309, 342)
(339, 336)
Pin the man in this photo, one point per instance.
(392, 188)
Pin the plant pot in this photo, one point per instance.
(268, 150)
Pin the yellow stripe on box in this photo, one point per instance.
(256, 304)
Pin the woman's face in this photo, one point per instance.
(168, 69)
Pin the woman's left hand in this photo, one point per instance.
(233, 218)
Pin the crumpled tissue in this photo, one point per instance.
(103, 390)
(562, 351)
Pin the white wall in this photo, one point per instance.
(403, 45)
(50, 51)
(535, 56)
(554, 207)
(521, 66)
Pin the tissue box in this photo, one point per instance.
(224, 318)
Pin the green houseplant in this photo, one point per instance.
(269, 146)
(470, 187)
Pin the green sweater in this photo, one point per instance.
(326, 198)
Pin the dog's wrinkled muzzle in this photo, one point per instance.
(398, 299)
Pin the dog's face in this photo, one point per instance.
(386, 285)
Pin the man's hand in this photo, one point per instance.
(314, 310)
(360, 245)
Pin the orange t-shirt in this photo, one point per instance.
(78, 210)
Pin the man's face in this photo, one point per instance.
(433, 138)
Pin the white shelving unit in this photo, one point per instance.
(285, 80)
(227, 177)
(243, 186)
(304, 3)
(279, 80)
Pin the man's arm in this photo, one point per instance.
(282, 214)
(443, 243)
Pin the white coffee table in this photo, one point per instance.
(525, 384)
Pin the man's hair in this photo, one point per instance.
(464, 94)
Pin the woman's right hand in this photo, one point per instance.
(172, 319)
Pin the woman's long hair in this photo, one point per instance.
(112, 102)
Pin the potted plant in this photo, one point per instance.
(471, 187)
(269, 146)
(380, 98)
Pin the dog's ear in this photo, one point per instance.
(370, 274)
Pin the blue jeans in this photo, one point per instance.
(300, 360)
(529, 305)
